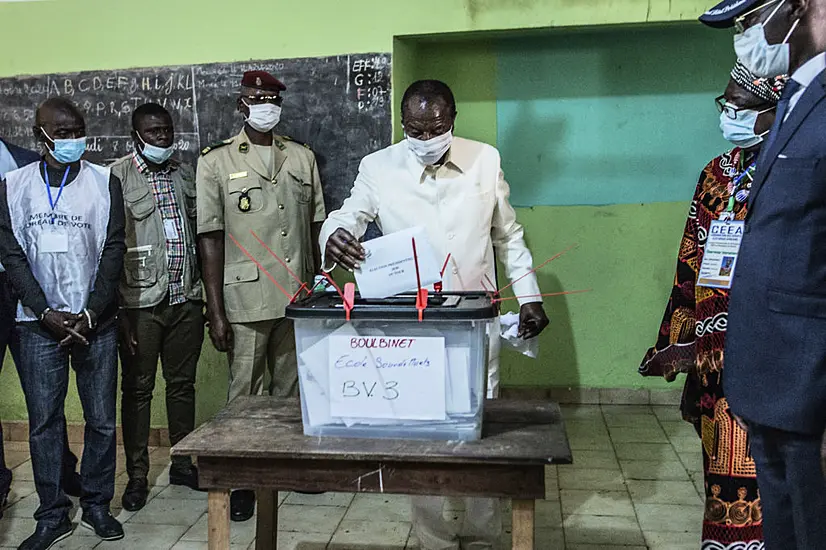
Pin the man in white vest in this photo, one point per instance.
(62, 244)
(455, 189)
(13, 157)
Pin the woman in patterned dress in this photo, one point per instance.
(692, 334)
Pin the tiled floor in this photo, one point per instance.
(636, 483)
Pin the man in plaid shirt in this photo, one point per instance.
(162, 310)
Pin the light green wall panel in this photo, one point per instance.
(610, 116)
(72, 35)
(627, 255)
(469, 68)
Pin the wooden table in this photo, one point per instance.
(258, 442)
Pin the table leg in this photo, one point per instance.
(266, 528)
(523, 520)
(218, 519)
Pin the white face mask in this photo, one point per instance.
(431, 151)
(263, 117)
(754, 51)
(157, 155)
(740, 131)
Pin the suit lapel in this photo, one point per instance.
(813, 95)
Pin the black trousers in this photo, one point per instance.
(8, 305)
(792, 488)
(174, 334)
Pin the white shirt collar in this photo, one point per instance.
(809, 70)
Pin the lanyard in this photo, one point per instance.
(737, 183)
(53, 203)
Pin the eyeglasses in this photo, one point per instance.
(259, 99)
(731, 110)
(739, 23)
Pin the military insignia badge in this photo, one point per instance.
(244, 147)
(244, 203)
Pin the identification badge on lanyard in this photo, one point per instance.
(721, 251)
(52, 239)
(170, 231)
(53, 242)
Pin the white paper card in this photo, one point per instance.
(170, 230)
(53, 242)
(458, 380)
(316, 379)
(720, 256)
(386, 377)
(389, 268)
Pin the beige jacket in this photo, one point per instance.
(238, 193)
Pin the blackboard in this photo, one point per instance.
(339, 106)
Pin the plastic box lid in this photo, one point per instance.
(445, 306)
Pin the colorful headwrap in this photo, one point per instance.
(767, 89)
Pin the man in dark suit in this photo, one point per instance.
(776, 344)
(13, 157)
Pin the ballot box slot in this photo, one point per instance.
(455, 306)
(402, 301)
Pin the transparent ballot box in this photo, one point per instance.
(385, 374)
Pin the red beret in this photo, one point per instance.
(262, 80)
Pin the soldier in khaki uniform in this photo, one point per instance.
(267, 184)
(160, 296)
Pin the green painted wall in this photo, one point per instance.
(610, 116)
(627, 255)
(625, 252)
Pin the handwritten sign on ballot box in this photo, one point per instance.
(385, 377)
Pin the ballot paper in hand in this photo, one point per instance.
(389, 268)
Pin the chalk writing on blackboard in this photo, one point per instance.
(339, 106)
(369, 82)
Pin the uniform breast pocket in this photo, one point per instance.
(302, 190)
(140, 267)
(246, 195)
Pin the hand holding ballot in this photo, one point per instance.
(388, 265)
(392, 265)
(344, 249)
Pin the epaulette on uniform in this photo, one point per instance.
(214, 146)
(288, 138)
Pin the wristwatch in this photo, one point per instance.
(88, 314)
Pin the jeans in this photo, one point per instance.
(792, 488)
(175, 334)
(44, 373)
